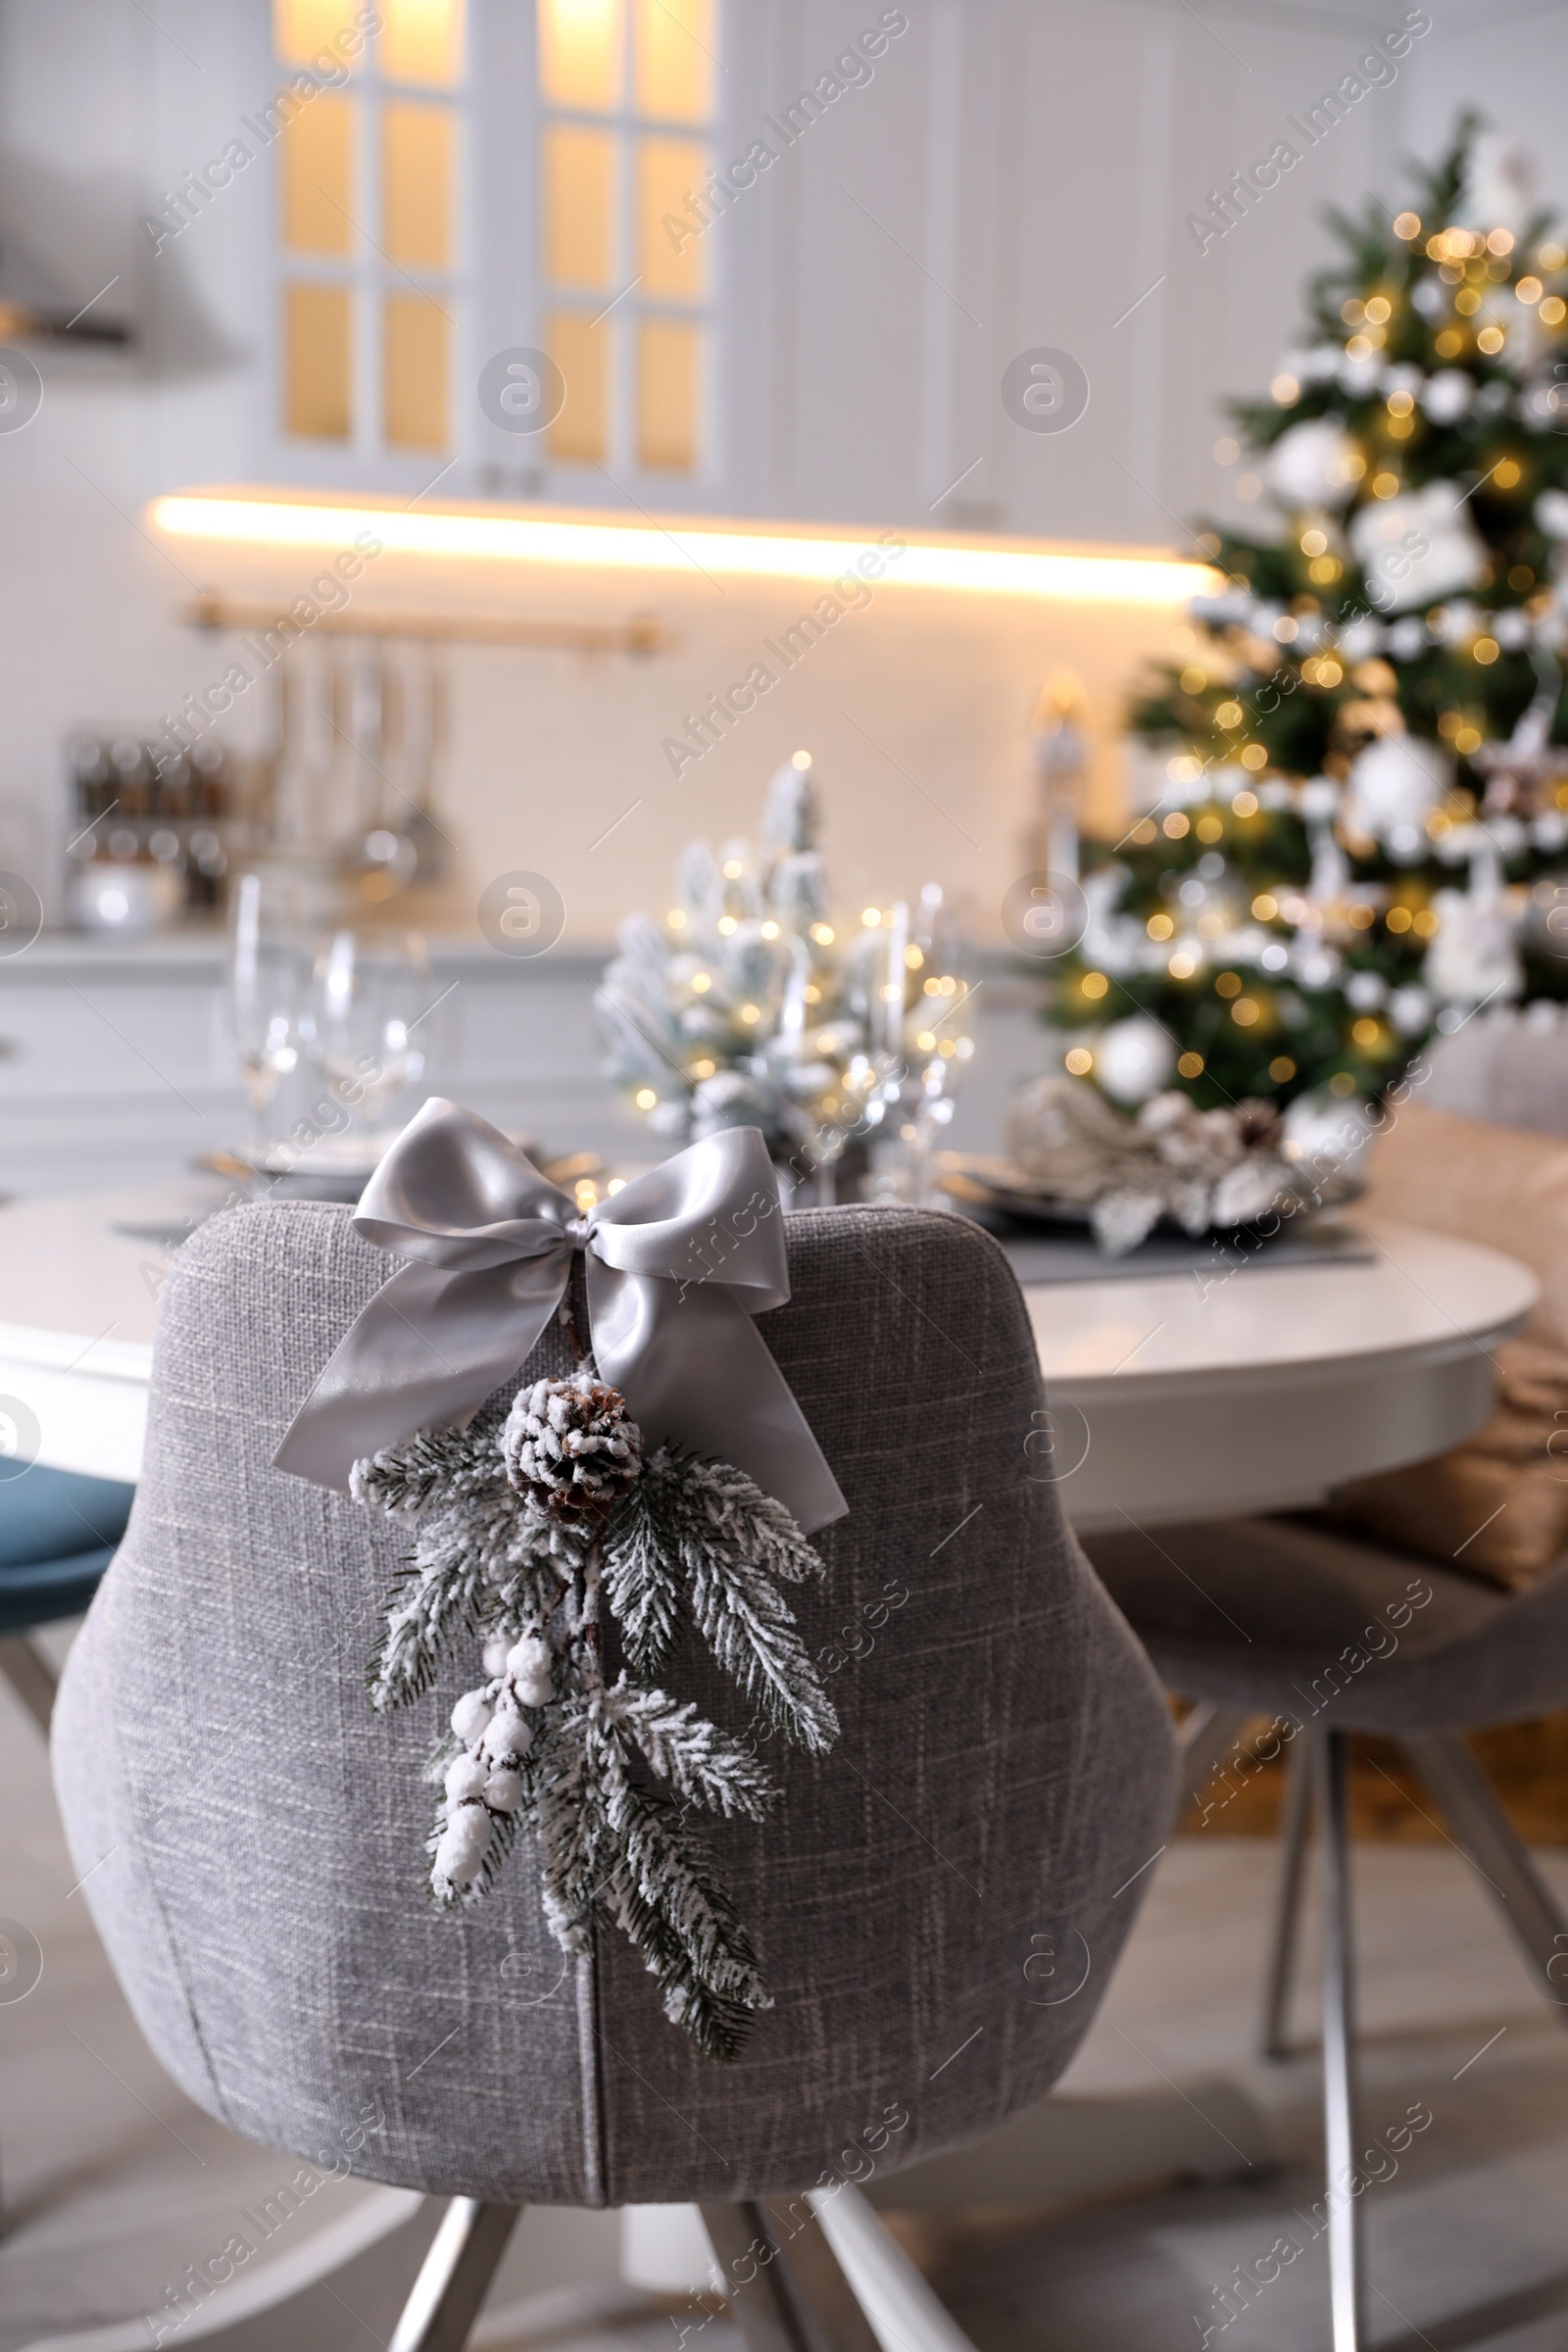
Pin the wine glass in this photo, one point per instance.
(368, 1022)
(939, 1042)
(264, 999)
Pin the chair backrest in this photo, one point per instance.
(1502, 1185)
(252, 1836)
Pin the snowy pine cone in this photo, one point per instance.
(570, 1446)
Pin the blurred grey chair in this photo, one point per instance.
(250, 1835)
(1329, 1634)
(1335, 1634)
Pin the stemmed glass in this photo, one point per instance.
(265, 1004)
(368, 1021)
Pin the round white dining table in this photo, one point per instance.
(1170, 1396)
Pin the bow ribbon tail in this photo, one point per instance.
(695, 1369)
(430, 1346)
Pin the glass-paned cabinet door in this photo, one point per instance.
(627, 97)
(372, 123)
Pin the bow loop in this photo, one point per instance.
(680, 1260)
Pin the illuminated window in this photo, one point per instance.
(368, 129)
(628, 96)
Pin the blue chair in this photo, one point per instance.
(58, 1534)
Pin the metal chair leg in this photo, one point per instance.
(1287, 1911)
(31, 1676)
(1341, 2131)
(455, 2277)
(754, 2288)
(1534, 1919)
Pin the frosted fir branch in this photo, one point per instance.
(700, 1762)
(684, 1491)
(404, 1478)
(752, 1631)
(678, 1915)
(643, 1594)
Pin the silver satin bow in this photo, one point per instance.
(492, 1244)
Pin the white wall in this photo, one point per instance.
(1037, 160)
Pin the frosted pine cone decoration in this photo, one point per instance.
(571, 1447)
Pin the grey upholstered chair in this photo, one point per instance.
(1006, 1763)
(1330, 1634)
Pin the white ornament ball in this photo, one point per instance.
(466, 1778)
(1395, 782)
(463, 1846)
(509, 1735)
(471, 1715)
(1134, 1059)
(1328, 1133)
(1309, 466)
(495, 1653)
(1448, 396)
(1417, 546)
(502, 1791)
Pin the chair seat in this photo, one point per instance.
(1296, 1620)
(59, 1531)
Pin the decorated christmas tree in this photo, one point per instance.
(1364, 737)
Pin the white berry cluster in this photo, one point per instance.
(495, 1728)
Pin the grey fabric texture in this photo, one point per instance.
(1299, 1620)
(252, 1836)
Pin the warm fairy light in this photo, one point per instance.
(1182, 966)
(1507, 473)
(1282, 1068)
(1095, 984)
(1228, 984)
(925, 1039)
(1379, 310)
(675, 544)
(1244, 1013)
(1501, 242)
(751, 1013)
(914, 957)
(770, 930)
(1245, 804)
(733, 869)
(676, 919)
(1286, 390)
(1209, 828)
(1190, 1065)
(1553, 310)
(1159, 926)
(1397, 919)
(1265, 907)
(586, 1193)
(1529, 289)
(616, 1184)
(702, 982)
(645, 1098)
(1365, 1032)
(1408, 225)
(703, 1068)
(1254, 755)
(822, 933)
(1177, 824)
(1490, 340)
(727, 924)
(1313, 542)
(1079, 1061)
(870, 916)
(800, 759)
